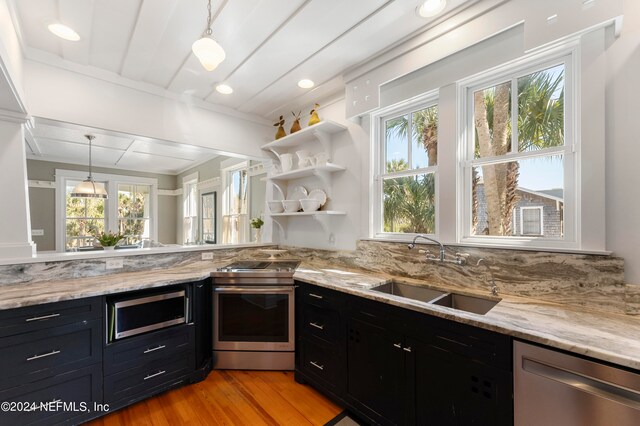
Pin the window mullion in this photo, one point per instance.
(514, 116)
(410, 140)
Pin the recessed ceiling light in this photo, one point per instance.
(224, 89)
(305, 83)
(64, 32)
(430, 8)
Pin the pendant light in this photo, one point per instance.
(89, 188)
(207, 50)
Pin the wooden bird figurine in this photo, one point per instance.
(314, 119)
(296, 123)
(280, 133)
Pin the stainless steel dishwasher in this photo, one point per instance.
(553, 388)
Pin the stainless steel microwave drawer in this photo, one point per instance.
(143, 380)
(40, 354)
(38, 317)
(136, 351)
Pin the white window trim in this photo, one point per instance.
(540, 209)
(111, 208)
(191, 179)
(569, 54)
(378, 166)
(224, 175)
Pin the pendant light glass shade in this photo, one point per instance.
(209, 52)
(88, 188)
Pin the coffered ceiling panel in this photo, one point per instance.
(269, 45)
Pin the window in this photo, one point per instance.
(131, 209)
(531, 220)
(190, 209)
(235, 211)
(134, 212)
(208, 220)
(84, 218)
(519, 155)
(406, 173)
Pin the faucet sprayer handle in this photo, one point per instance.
(465, 255)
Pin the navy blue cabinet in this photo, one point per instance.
(52, 361)
(400, 366)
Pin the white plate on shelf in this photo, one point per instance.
(297, 193)
(320, 195)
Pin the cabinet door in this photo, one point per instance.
(450, 389)
(376, 370)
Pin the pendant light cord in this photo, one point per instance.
(208, 31)
(91, 138)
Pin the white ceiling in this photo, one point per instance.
(270, 45)
(62, 142)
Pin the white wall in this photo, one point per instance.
(67, 96)
(346, 192)
(10, 63)
(623, 142)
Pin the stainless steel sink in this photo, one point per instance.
(477, 305)
(409, 291)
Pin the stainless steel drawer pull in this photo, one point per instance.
(407, 349)
(317, 296)
(397, 345)
(53, 352)
(316, 325)
(157, 348)
(44, 317)
(316, 365)
(151, 376)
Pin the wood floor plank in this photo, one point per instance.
(231, 398)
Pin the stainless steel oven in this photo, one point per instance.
(254, 316)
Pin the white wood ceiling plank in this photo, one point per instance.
(112, 29)
(77, 14)
(241, 27)
(35, 16)
(318, 24)
(186, 25)
(150, 27)
(390, 24)
(148, 162)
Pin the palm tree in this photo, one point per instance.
(409, 201)
(540, 125)
(393, 194)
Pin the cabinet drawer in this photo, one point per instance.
(321, 323)
(137, 351)
(69, 395)
(144, 379)
(321, 297)
(40, 354)
(38, 317)
(319, 361)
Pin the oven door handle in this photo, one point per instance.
(252, 289)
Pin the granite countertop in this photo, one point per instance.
(604, 336)
(607, 337)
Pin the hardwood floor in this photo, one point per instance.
(231, 397)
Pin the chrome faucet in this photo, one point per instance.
(442, 258)
(413, 244)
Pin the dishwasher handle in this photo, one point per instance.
(583, 383)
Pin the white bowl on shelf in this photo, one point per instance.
(310, 204)
(275, 206)
(291, 206)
